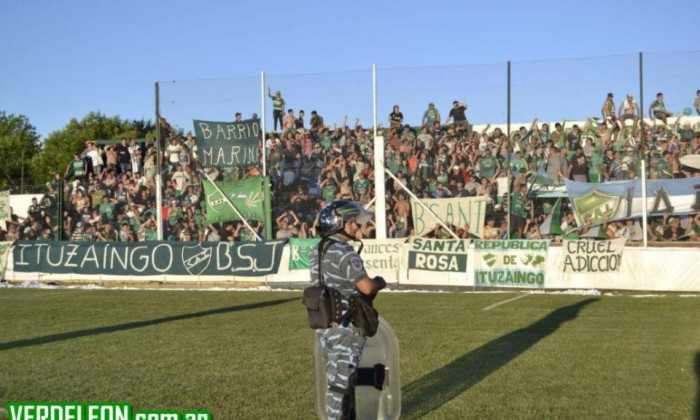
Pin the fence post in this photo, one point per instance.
(262, 122)
(641, 96)
(59, 209)
(508, 148)
(644, 202)
(379, 186)
(159, 184)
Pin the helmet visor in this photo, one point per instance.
(364, 216)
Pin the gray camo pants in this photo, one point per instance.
(341, 349)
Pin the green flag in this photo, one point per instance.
(299, 250)
(247, 195)
(552, 224)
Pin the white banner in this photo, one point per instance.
(458, 211)
(593, 257)
(5, 211)
(4, 253)
(381, 257)
(510, 263)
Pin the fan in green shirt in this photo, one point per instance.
(432, 186)
(518, 164)
(441, 177)
(663, 167)
(431, 115)
(174, 214)
(392, 163)
(518, 204)
(487, 165)
(328, 190)
(107, 208)
(361, 185)
(245, 235)
(596, 171)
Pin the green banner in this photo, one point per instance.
(510, 263)
(226, 144)
(247, 195)
(438, 254)
(299, 251)
(149, 258)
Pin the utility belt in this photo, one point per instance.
(326, 308)
(340, 310)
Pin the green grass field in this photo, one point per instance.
(247, 355)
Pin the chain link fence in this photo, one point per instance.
(507, 131)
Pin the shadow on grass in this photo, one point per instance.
(442, 385)
(138, 324)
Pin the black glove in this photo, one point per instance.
(379, 282)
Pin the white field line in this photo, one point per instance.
(504, 302)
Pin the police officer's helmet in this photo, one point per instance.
(333, 216)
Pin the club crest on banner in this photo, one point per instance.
(196, 259)
(596, 205)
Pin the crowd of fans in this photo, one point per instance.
(109, 192)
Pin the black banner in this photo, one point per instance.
(149, 258)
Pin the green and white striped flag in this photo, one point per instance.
(552, 224)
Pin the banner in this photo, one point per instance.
(623, 199)
(457, 211)
(5, 209)
(4, 252)
(224, 144)
(438, 254)
(247, 195)
(149, 258)
(510, 263)
(589, 256)
(299, 251)
(381, 257)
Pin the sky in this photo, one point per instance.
(63, 59)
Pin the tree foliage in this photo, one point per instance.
(59, 147)
(19, 142)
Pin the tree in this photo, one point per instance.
(60, 146)
(19, 142)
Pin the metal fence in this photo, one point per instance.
(505, 95)
(354, 105)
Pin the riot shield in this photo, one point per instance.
(378, 392)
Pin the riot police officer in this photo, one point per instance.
(343, 271)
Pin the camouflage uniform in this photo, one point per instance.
(341, 347)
